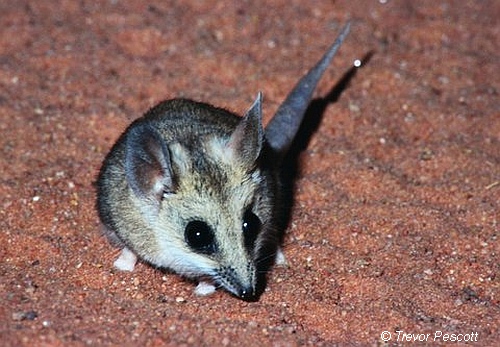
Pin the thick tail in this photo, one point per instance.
(283, 127)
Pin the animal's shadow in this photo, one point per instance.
(314, 115)
(291, 165)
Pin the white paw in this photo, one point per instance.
(280, 259)
(204, 288)
(126, 261)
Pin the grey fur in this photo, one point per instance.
(196, 189)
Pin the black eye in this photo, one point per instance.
(251, 227)
(200, 237)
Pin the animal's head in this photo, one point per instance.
(207, 201)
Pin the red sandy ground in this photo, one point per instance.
(396, 221)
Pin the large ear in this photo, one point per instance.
(246, 141)
(147, 163)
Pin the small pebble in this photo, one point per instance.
(21, 315)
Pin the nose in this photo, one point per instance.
(248, 294)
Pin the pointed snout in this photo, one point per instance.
(244, 284)
(248, 294)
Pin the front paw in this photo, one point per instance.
(280, 259)
(126, 261)
(204, 289)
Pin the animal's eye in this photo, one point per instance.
(200, 237)
(251, 227)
